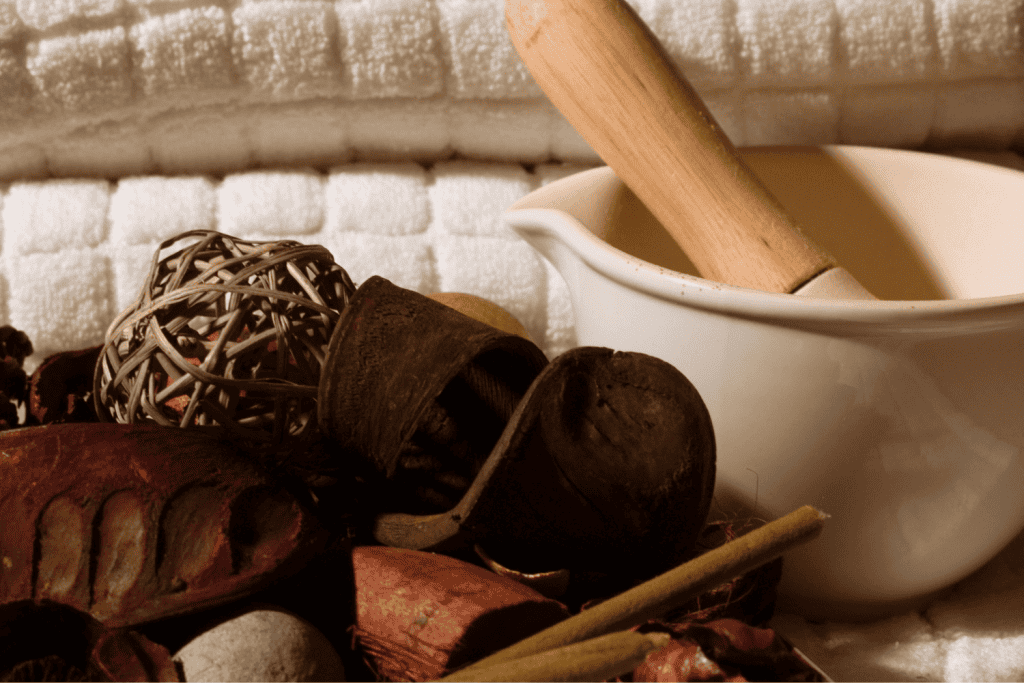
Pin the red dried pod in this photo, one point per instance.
(420, 615)
(133, 523)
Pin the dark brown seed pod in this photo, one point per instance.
(597, 461)
(133, 523)
(60, 389)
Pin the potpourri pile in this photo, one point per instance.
(125, 548)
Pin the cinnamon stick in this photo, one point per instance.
(597, 659)
(672, 589)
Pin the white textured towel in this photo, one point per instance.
(395, 132)
(75, 250)
(121, 87)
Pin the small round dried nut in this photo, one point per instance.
(483, 310)
(261, 645)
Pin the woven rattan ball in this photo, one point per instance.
(225, 332)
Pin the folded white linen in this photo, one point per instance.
(76, 251)
(131, 87)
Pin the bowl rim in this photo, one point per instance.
(947, 315)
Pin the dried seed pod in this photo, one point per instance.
(414, 395)
(133, 523)
(420, 615)
(483, 310)
(60, 389)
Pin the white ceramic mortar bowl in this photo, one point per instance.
(902, 418)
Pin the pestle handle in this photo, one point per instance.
(610, 77)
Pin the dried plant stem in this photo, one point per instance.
(675, 587)
(597, 659)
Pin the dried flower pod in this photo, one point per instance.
(60, 389)
(133, 523)
(420, 615)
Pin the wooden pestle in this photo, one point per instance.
(612, 80)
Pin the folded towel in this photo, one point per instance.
(76, 251)
(123, 87)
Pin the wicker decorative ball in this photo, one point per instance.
(225, 332)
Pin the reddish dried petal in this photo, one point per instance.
(130, 656)
(743, 636)
(679, 661)
(722, 650)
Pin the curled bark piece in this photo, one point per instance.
(420, 615)
(415, 394)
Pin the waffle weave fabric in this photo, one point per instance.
(75, 251)
(121, 87)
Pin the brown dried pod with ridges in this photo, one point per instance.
(421, 615)
(134, 523)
